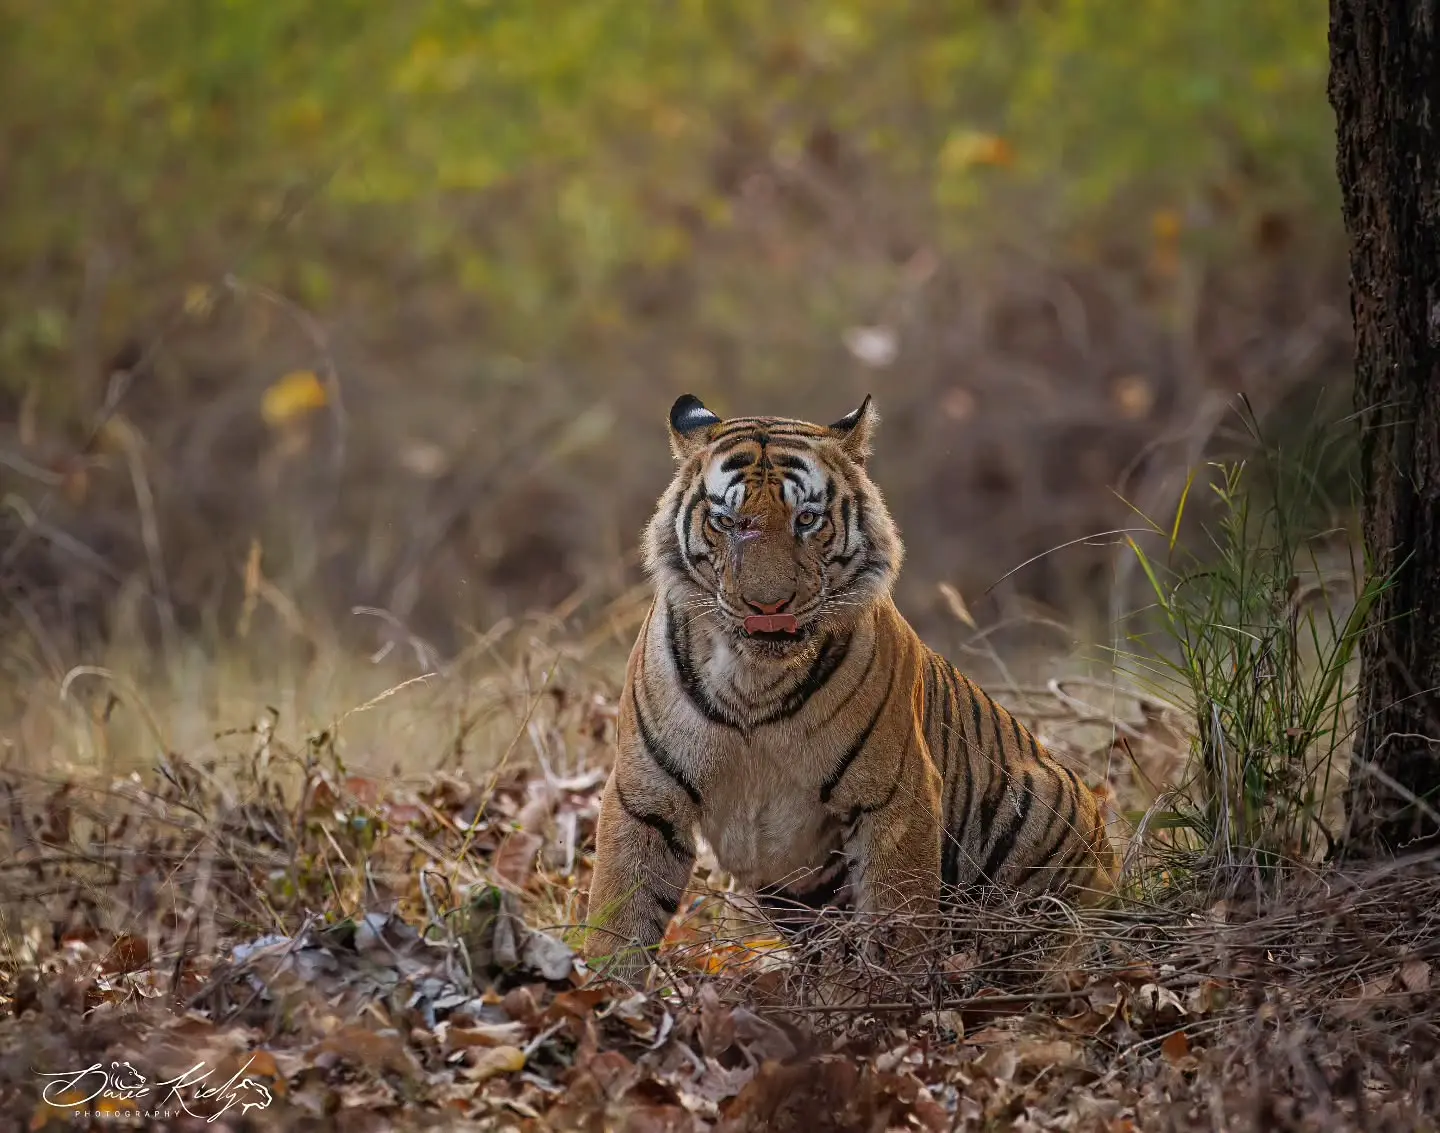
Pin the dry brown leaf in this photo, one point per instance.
(762, 1038)
(373, 1050)
(611, 1071)
(367, 1097)
(1088, 1023)
(539, 806)
(1176, 1047)
(930, 1114)
(1415, 975)
(482, 1035)
(520, 1003)
(1220, 912)
(1138, 972)
(1048, 1053)
(992, 1035)
(958, 966)
(999, 1062)
(405, 814)
(262, 1064)
(717, 1084)
(658, 1119)
(1106, 998)
(514, 862)
(127, 954)
(947, 1020)
(792, 1096)
(1157, 1004)
(364, 790)
(1208, 996)
(578, 1003)
(1359, 1003)
(717, 1026)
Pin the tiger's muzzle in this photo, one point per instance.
(769, 618)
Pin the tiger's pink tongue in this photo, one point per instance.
(771, 623)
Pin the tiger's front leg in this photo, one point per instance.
(893, 844)
(644, 852)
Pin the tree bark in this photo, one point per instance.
(1385, 90)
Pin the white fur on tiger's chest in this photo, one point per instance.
(725, 668)
(763, 818)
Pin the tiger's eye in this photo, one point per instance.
(807, 519)
(724, 522)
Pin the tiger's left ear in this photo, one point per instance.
(855, 430)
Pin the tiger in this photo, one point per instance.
(778, 703)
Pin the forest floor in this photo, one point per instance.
(285, 925)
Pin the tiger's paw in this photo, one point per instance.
(630, 966)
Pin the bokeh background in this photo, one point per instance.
(310, 305)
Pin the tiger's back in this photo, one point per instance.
(778, 703)
(1014, 816)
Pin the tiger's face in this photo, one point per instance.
(771, 529)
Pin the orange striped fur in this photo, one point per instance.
(844, 764)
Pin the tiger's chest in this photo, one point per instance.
(763, 818)
(759, 786)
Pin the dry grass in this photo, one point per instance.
(152, 832)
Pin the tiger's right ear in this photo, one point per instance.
(690, 424)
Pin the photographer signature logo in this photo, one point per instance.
(121, 1089)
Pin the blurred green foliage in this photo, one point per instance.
(533, 155)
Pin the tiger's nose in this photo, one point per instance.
(770, 607)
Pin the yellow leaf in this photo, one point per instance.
(199, 300)
(731, 956)
(972, 147)
(494, 1061)
(294, 395)
(1165, 225)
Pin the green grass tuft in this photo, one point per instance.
(1255, 636)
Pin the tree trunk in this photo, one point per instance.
(1385, 89)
